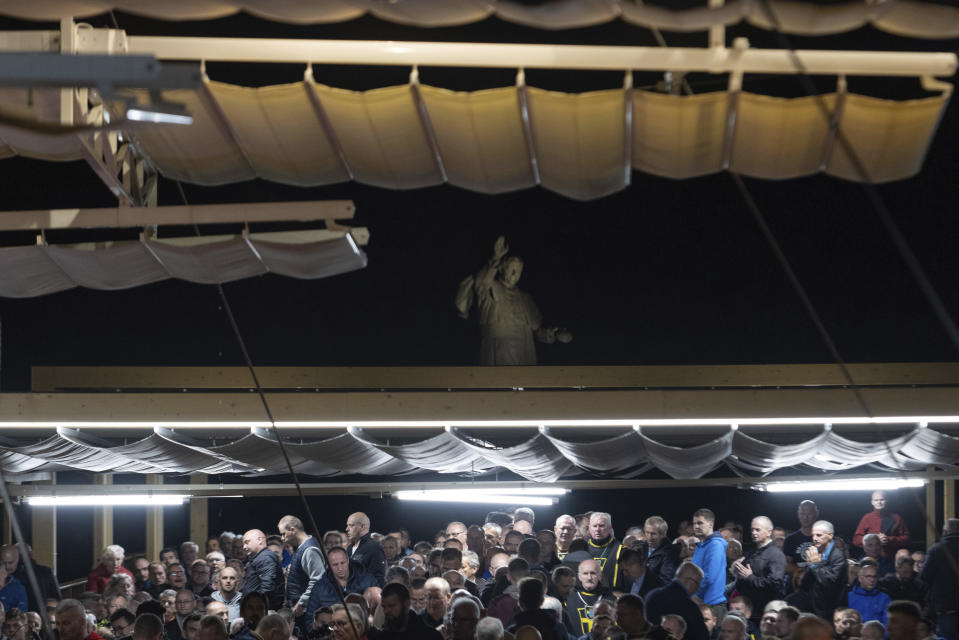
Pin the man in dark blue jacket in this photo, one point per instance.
(676, 597)
(940, 573)
(306, 567)
(364, 549)
(344, 575)
(262, 573)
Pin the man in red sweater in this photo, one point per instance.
(111, 562)
(892, 531)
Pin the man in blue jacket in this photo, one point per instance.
(13, 595)
(342, 574)
(710, 556)
(866, 598)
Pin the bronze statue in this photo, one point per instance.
(509, 319)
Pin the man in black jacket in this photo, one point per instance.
(262, 573)
(826, 574)
(532, 614)
(941, 575)
(663, 557)
(49, 587)
(364, 549)
(676, 598)
(400, 623)
(759, 574)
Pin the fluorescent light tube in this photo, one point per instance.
(106, 500)
(158, 115)
(851, 484)
(474, 497)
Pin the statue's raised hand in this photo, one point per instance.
(500, 249)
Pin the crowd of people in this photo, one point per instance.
(509, 578)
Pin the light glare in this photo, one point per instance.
(852, 484)
(474, 496)
(111, 500)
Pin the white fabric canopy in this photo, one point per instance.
(40, 269)
(542, 455)
(582, 146)
(908, 18)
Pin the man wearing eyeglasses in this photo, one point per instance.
(676, 598)
(176, 576)
(183, 607)
(121, 621)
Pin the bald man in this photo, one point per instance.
(584, 597)
(759, 574)
(363, 549)
(262, 573)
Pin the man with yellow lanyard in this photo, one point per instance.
(604, 548)
(585, 597)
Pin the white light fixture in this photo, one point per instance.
(850, 484)
(158, 115)
(111, 500)
(516, 495)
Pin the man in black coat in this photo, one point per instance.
(364, 549)
(676, 598)
(826, 574)
(759, 574)
(400, 623)
(47, 581)
(940, 574)
(263, 573)
(532, 614)
(663, 555)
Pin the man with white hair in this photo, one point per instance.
(565, 530)
(826, 574)
(605, 548)
(525, 513)
(111, 562)
(759, 574)
(489, 629)
(733, 628)
(463, 616)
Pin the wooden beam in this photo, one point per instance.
(154, 523)
(930, 512)
(619, 377)
(948, 499)
(378, 488)
(199, 525)
(25, 411)
(44, 527)
(102, 519)
(132, 217)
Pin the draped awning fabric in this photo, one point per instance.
(910, 18)
(539, 455)
(40, 269)
(583, 145)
